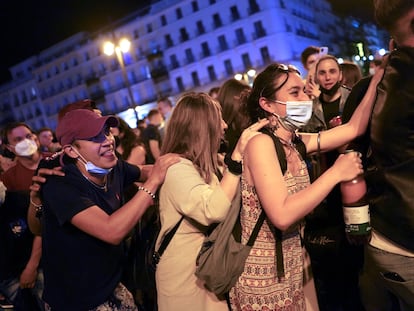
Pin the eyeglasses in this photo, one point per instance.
(287, 68)
(284, 69)
(103, 134)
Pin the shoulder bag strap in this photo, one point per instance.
(256, 228)
(168, 237)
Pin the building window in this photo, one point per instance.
(223, 43)
(189, 55)
(163, 20)
(149, 28)
(127, 58)
(136, 34)
(174, 61)
(229, 67)
(235, 15)
(211, 73)
(183, 35)
(179, 13)
(217, 20)
(196, 80)
(241, 38)
(180, 84)
(194, 5)
(205, 48)
(264, 51)
(246, 61)
(253, 7)
(212, 1)
(200, 28)
(168, 41)
(259, 30)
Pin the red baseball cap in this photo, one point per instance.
(82, 124)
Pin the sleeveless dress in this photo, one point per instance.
(259, 287)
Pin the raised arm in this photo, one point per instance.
(262, 169)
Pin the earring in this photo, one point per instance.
(273, 124)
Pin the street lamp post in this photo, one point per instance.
(109, 49)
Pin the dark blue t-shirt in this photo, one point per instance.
(80, 271)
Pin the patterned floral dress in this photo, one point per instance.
(259, 287)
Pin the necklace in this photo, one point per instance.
(103, 187)
(289, 145)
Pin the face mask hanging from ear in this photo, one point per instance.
(92, 168)
(298, 114)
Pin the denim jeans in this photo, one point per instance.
(387, 282)
(10, 288)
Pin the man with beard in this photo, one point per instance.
(335, 262)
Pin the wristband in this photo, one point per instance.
(234, 167)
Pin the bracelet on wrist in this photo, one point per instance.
(152, 195)
(38, 209)
(234, 167)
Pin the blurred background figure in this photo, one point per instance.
(213, 92)
(235, 117)
(351, 73)
(309, 57)
(48, 143)
(165, 107)
(151, 136)
(373, 65)
(128, 144)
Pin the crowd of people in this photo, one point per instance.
(78, 204)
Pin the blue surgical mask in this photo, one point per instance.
(298, 114)
(92, 168)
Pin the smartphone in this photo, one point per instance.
(323, 50)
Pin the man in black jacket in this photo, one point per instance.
(388, 279)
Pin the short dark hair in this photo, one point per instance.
(166, 100)
(388, 12)
(44, 129)
(152, 113)
(310, 50)
(214, 89)
(10, 127)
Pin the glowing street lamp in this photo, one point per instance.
(248, 76)
(109, 48)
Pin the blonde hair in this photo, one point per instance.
(194, 131)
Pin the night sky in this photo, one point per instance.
(28, 26)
